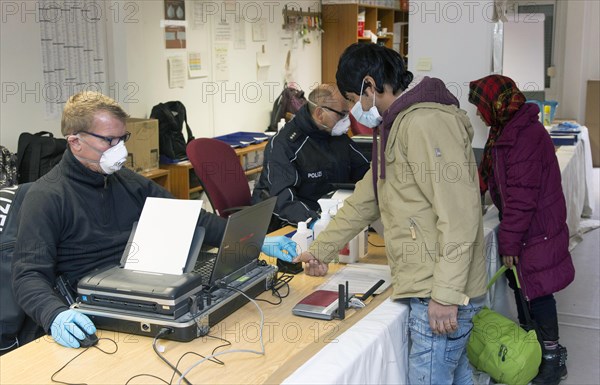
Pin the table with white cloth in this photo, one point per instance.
(575, 164)
(373, 351)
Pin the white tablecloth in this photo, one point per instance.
(576, 171)
(374, 351)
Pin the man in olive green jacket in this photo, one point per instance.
(423, 184)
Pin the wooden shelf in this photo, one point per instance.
(183, 172)
(340, 23)
(159, 176)
(253, 171)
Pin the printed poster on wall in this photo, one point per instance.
(175, 36)
(174, 9)
(221, 59)
(195, 65)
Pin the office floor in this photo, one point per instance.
(579, 307)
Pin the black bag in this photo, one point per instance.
(37, 154)
(171, 116)
(290, 101)
(8, 168)
(16, 328)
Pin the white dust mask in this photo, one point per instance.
(341, 127)
(112, 159)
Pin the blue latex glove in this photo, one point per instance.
(280, 247)
(70, 326)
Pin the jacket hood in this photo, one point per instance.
(420, 90)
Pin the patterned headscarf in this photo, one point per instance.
(497, 99)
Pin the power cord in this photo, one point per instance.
(262, 345)
(374, 245)
(52, 378)
(280, 282)
(166, 331)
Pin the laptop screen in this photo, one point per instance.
(242, 241)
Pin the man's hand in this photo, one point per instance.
(312, 266)
(442, 318)
(509, 260)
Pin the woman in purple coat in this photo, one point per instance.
(520, 170)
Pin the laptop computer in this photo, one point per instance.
(240, 247)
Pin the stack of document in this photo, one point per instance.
(565, 134)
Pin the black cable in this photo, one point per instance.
(181, 358)
(73, 359)
(165, 331)
(279, 283)
(227, 343)
(147, 375)
(374, 245)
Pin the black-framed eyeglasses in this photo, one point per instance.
(111, 140)
(342, 114)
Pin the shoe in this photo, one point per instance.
(553, 368)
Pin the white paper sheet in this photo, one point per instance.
(195, 65)
(177, 71)
(164, 235)
(361, 277)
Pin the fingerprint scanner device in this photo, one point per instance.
(189, 304)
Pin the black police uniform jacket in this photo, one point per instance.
(301, 163)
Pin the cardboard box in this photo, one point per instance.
(142, 147)
(592, 119)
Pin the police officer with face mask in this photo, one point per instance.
(308, 155)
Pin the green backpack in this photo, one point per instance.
(501, 348)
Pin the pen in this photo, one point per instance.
(372, 290)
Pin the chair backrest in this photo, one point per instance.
(221, 175)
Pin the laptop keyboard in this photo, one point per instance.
(205, 265)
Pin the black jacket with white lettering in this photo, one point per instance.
(301, 163)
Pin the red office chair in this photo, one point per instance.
(221, 175)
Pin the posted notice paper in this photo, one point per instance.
(164, 235)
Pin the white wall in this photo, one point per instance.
(23, 107)
(138, 67)
(457, 36)
(581, 61)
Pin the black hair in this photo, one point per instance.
(383, 64)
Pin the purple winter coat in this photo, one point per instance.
(526, 179)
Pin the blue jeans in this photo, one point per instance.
(440, 359)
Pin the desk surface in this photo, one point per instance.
(289, 342)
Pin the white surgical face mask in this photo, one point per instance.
(369, 118)
(112, 159)
(341, 127)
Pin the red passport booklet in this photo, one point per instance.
(321, 304)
